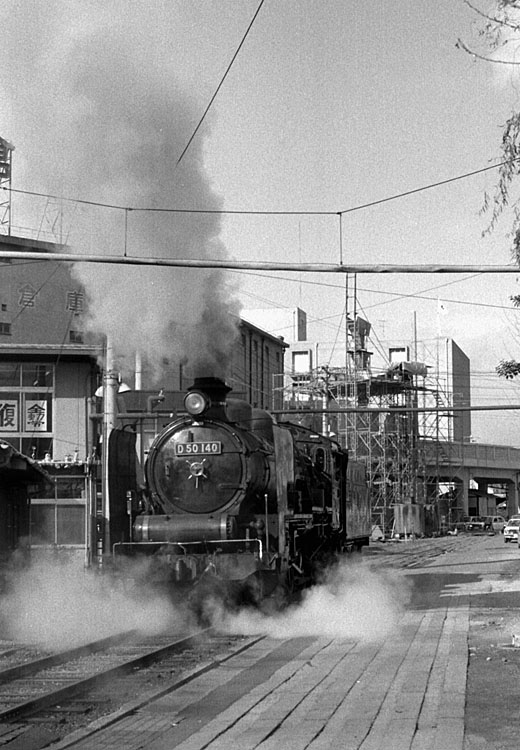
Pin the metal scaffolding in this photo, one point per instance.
(386, 440)
(6, 157)
(399, 423)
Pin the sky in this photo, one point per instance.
(327, 107)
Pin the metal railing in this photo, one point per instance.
(187, 548)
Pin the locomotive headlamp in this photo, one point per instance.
(196, 403)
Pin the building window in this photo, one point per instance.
(59, 524)
(26, 407)
(33, 447)
(5, 329)
(301, 361)
(76, 337)
(9, 375)
(37, 376)
(59, 516)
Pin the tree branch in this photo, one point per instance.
(493, 19)
(460, 44)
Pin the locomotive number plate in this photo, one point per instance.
(208, 447)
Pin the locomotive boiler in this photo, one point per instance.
(234, 495)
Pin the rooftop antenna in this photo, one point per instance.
(6, 170)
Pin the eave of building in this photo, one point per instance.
(278, 340)
(8, 241)
(15, 466)
(50, 350)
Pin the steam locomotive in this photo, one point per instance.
(235, 496)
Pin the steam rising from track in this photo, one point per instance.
(54, 604)
(354, 601)
(98, 115)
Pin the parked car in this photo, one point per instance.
(476, 523)
(460, 525)
(511, 530)
(496, 523)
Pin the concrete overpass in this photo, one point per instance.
(481, 462)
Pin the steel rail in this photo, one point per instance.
(80, 735)
(31, 667)
(76, 687)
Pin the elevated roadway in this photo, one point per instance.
(481, 462)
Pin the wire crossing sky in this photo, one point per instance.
(265, 136)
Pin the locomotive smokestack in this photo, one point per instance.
(216, 391)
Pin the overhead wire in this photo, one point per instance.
(376, 340)
(280, 212)
(344, 211)
(220, 84)
(397, 295)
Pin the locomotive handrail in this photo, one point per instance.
(183, 545)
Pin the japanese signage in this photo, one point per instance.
(75, 302)
(8, 415)
(27, 295)
(35, 416)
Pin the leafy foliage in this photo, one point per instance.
(509, 169)
(499, 33)
(508, 369)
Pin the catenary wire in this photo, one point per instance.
(397, 295)
(224, 212)
(220, 84)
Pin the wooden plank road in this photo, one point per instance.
(313, 693)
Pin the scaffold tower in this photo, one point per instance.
(6, 161)
(385, 438)
(400, 423)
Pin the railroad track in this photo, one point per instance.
(72, 701)
(35, 685)
(416, 554)
(49, 690)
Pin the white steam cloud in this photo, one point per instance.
(96, 113)
(354, 601)
(56, 605)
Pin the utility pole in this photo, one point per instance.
(325, 420)
(110, 387)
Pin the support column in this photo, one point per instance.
(465, 477)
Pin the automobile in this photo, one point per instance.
(511, 530)
(496, 523)
(460, 525)
(476, 523)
